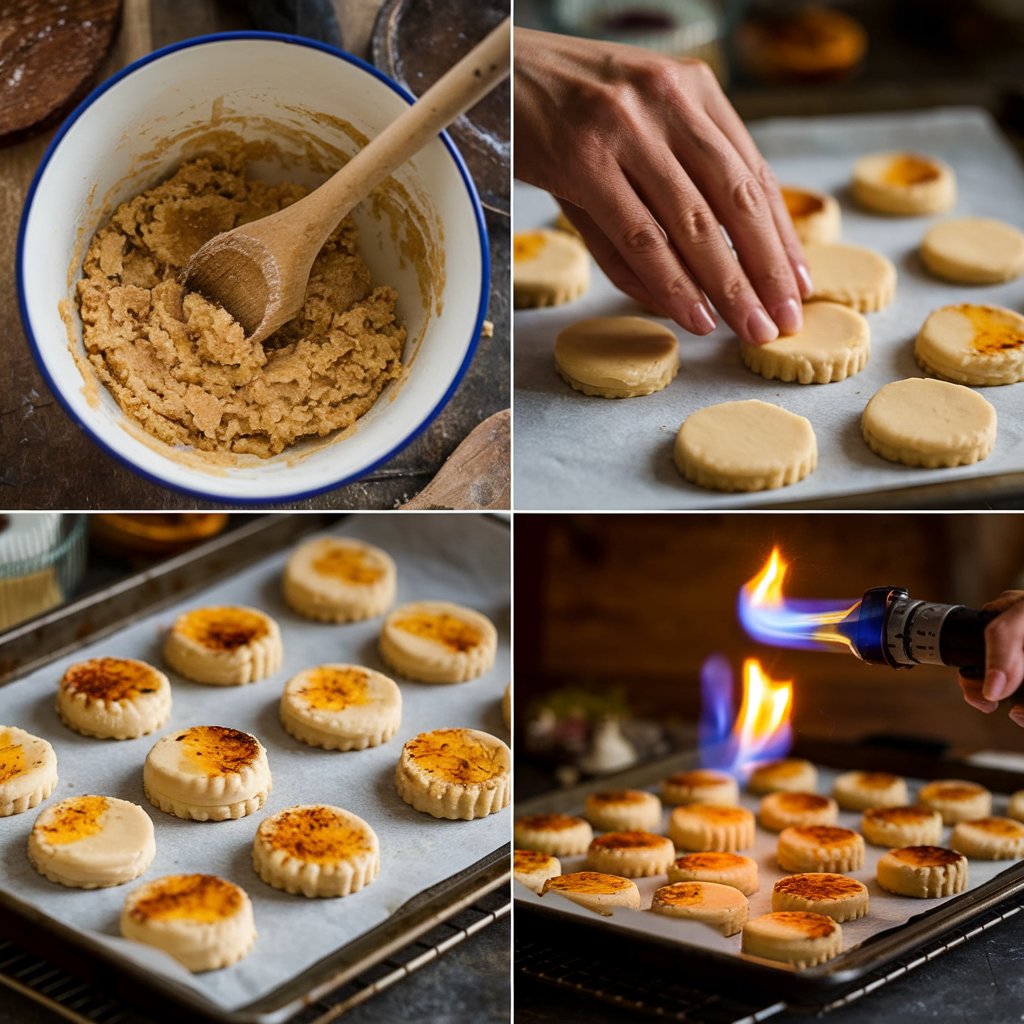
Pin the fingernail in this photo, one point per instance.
(760, 329)
(1017, 714)
(806, 285)
(995, 686)
(702, 319)
(789, 316)
(985, 706)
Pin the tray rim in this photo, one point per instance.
(75, 624)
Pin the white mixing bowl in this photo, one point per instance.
(305, 98)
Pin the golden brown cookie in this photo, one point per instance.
(923, 871)
(114, 698)
(28, 770)
(630, 854)
(820, 848)
(725, 868)
(858, 791)
(781, 810)
(956, 800)
(559, 834)
(595, 891)
(710, 827)
(789, 775)
(700, 786)
(794, 937)
(902, 826)
(817, 892)
(989, 839)
(533, 868)
(622, 810)
(719, 906)
(224, 646)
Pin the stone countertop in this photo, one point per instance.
(46, 462)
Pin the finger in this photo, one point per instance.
(724, 115)
(696, 236)
(629, 225)
(973, 695)
(738, 200)
(1017, 715)
(609, 259)
(1004, 653)
(1004, 600)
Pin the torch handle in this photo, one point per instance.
(963, 637)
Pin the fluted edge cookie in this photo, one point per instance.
(203, 921)
(989, 839)
(902, 826)
(438, 642)
(973, 250)
(820, 848)
(339, 579)
(781, 810)
(794, 937)
(224, 646)
(815, 215)
(28, 770)
(549, 267)
(316, 850)
(859, 791)
(595, 890)
(700, 786)
(341, 707)
(721, 907)
(622, 810)
(820, 892)
(972, 344)
(207, 773)
(851, 275)
(717, 866)
(788, 774)
(533, 868)
(956, 800)
(633, 854)
(455, 773)
(923, 871)
(702, 827)
(559, 834)
(906, 184)
(114, 698)
(92, 842)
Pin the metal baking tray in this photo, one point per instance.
(813, 986)
(48, 637)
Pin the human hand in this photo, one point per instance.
(1004, 657)
(649, 161)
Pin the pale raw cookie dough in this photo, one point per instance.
(207, 773)
(725, 868)
(620, 810)
(859, 791)
(989, 838)
(974, 250)
(28, 770)
(341, 707)
(114, 698)
(631, 854)
(203, 921)
(339, 579)
(595, 891)
(820, 892)
(92, 842)
(972, 344)
(901, 826)
(559, 834)
(929, 423)
(721, 907)
(549, 267)
(922, 871)
(533, 868)
(455, 773)
(815, 215)
(794, 937)
(909, 184)
(316, 850)
(745, 446)
(224, 646)
(181, 367)
(438, 642)
(789, 775)
(700, 786)
(851, 275)
(833, 344)
(617, 356)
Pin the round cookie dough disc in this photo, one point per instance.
(910, 184)
(973, 344)
(617, 356)
(852, 275)
(833, 344)
(815, 215)
(931, 423)
(549, 267)
(974, 250)
(745, 446)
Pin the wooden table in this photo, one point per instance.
(46, 462)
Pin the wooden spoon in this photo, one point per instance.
(258, 271)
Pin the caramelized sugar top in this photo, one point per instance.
(12, 757)
(816, 885)
(215, 750)
(445, 629)
(628, 841)
(710, 861)
(223, 629)
(617, 796)
(455, 755)
(908, 169)
(332, 689)
(317, 834)
(992, 334)
(202, 898)
(926, 856)
(814, 926)
(800, 203)
(74, 819)
(526, 245)
(549, 822)
(348, 563)
(588, 881)
(109, 679)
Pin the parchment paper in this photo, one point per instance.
(574, 451)
(886, 909)
(462, 558)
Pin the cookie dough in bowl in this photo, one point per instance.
(160, 380)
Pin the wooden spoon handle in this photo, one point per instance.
(463, 85)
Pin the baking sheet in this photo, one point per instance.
(887, 910)
(462, 558)
(575, 451)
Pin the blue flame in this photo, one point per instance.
(808, 625)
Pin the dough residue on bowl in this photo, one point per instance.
(181, 366)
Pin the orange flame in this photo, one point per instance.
(762, 727)
(765, 589)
